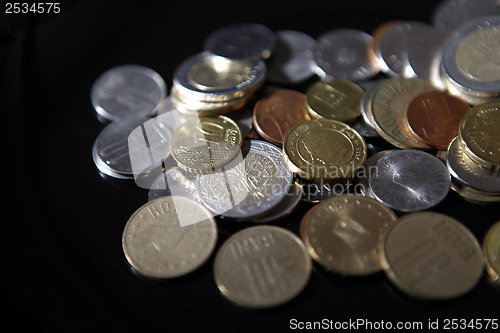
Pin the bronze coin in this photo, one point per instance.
(275, 114)
(434, 117)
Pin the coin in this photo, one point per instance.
(169, 237)
(277, 112)
(262, 267)
(450, 14)
(480, 134)
(345, 233)
(374, 52)
(241, 41)
(410, 180)
(434, 117)
(205, 144)
(343, 54)
(474, 196)
(366, 102)
(368, 169)
(432, 256)
(324, 150)
(389, 103)
(491, 251)
(335, 99)
(249, 187)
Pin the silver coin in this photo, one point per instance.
(169, 237)
(174, 181)
(449, 14)
(318, 191)
(410, 180)
(241, 41)
(262, 267)
(292, 61)
(469, 173)
(342, 54)
(369, 169)
(285, 207)
(249, 187)
(127, 90)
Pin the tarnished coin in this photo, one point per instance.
(432, 256)
(491, 250)
(335, 99)
(127, 90)
(277, 112)
(345, 234)
(169, 237)
(205, 144)
(410, 180)
(241, 41)
(262, 267)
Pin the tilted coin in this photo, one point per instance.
(432, 256)
(205, 144)
(410, 180)
(366, 101)
(491, 251)
(369, 169)
(335, 99)
(345, 234)
(169, 237)
(127, 90)
(262, 267)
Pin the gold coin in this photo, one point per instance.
(491, 250)
(205, 144)
(345, 234)
(324, 150)
(336, 99)
(388, 110)
(480, 134)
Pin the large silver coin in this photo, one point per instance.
(343, 54)
(127, 90)
(249, 187)
(241, 41)
(449, 14)
(262, 267)
(169, 237)
(410, 180)
(292, 61)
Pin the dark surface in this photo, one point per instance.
(63, 268)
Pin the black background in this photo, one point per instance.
(63, 268)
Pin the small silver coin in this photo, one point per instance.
(127, 90)
(292, 61)
(241, 41)
(369, 169)
(449, 14)
(262, 266)
(342, 54)
(410, 180)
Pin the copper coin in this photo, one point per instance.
(434, 117)
(275, 114)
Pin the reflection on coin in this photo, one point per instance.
(169, 237)
(345, 233)
(127, 90)
(262, 266)
(410, 180)
(491, 250)
(432, 256)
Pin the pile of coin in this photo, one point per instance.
(224, 147)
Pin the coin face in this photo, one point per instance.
(434, 117)
(275, 114)
(345, 233)
(262, 267)
(410, 180)
(335, 99)
(205, 144)
(169, 237)
(432, 256)
(491, 250)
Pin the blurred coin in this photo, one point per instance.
(374, 52)
(491, 250)
(449, 14)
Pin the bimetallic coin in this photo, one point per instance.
(491, 250)
(241, 41)
(432, 256)
(127, 90)
(480, 134)
(335, 99)
(345, 234)
(169, 237)
(434, 117)
(324, 150)
(262, 267)
(277, 112)
(205, 144)
(343, 54)
(410, 180)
